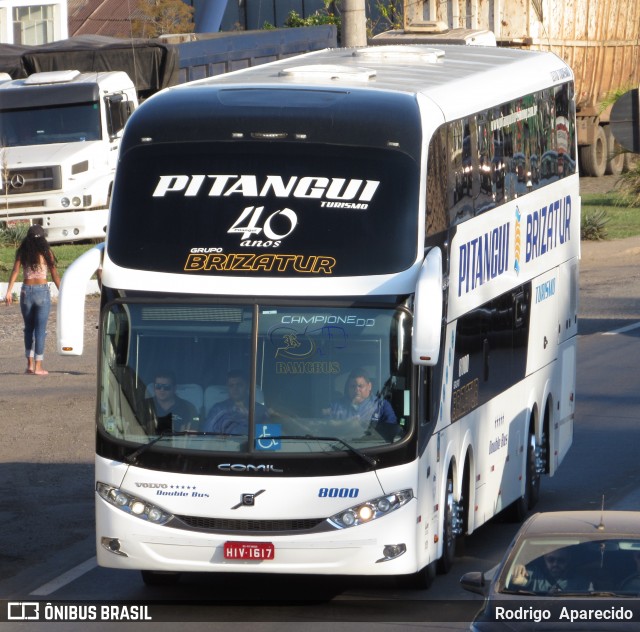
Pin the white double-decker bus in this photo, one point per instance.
(369, 220)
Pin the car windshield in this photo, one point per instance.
(573, 565)
(326, 379)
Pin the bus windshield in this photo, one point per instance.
(52, 124)
(252, 378)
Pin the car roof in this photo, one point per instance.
(596, 523)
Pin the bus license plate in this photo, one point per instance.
(249, 551)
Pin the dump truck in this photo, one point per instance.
(599, 39)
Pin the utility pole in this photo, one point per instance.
(354, 23)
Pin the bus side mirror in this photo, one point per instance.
(73, 291)
(427, 311)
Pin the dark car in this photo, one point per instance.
(566, 570)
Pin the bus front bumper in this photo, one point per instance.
(383, 547)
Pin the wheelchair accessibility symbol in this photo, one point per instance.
(265, 440)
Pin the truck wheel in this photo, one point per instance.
(594, 157)
(615, 154)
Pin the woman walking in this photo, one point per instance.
(36, 258)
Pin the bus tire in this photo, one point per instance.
(615, 154)
(533, 475)
(518, 511)
(160, 578)
(421, 580)
(445, 563)
(594, 157)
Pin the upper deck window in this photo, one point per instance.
(265, 209)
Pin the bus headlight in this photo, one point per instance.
(132, 505)
(370, 509)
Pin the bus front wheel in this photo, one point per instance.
(421, 580)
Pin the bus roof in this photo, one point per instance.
(443, 73)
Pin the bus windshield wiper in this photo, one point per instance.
(167, 434)
(133, 457)
(369, 460)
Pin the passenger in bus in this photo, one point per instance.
(360, 406)
(231, 416)
(169, 412)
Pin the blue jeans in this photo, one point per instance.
(35, 305)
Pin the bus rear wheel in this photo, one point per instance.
(445, 563)
(519, 509)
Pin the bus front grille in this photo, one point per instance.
(225, 525)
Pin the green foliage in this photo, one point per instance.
(611, 97)
(624, 221)
(629, 186)
(330, 14)
(391, 16)
(320, 17)
(12, 235)
(593, 225)
(66, 254)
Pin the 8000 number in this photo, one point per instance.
(338, 492)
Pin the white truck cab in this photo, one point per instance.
(60, 133)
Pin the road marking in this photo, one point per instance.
(622, 330)
(65, 578)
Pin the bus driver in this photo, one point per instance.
(359, 405)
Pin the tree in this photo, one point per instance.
(161, 17)
(383, 15)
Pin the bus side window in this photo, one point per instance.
(437, 175)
